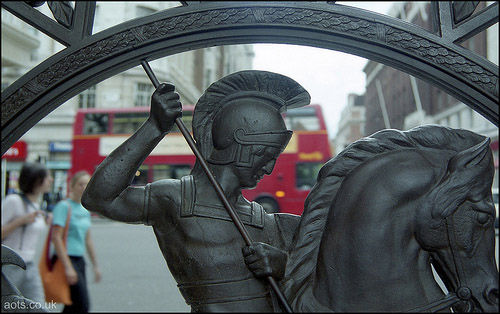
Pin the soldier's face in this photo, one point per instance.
(263, 164)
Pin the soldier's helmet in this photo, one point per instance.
(244, 122)
(242, 110)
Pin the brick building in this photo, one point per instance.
(394, 99)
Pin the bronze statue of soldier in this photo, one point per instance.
(238, 127)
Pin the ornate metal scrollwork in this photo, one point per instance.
(88, 59)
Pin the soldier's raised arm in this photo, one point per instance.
(109, 192)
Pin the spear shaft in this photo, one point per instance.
(232, 213)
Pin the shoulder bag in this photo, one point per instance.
(52, 271)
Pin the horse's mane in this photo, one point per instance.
(304, 250)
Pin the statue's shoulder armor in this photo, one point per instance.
(161, 198)
(188, 194)
(189, 207)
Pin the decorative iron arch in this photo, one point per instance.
(89, 59)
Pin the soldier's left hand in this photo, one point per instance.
(265, 260)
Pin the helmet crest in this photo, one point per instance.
(244, 108)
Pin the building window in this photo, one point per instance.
(143, 94)
(439, 99)
(86, 99)
(472, 45)
(208, 77)
(34, 56)
(97, 19)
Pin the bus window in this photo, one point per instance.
(307, 173)
(170, 171)
(96, 123)
(180, 171)
(302, 119)
(128, 122)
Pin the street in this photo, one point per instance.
(135, 277)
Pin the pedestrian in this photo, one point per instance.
(239, 129)
(79, 239)
(59, 194)
(49, 201)
(22, 225)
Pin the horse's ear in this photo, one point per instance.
(464, 169)
(470, 157)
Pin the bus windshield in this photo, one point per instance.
(302, 119)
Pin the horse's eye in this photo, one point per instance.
(482, 218)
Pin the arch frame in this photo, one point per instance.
(467, 76)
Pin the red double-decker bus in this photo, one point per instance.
(97, 132)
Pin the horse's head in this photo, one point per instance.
(455, 224)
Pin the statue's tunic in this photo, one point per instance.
(203, 247)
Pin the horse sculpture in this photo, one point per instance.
(383, 211)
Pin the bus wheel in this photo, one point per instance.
(269, 204)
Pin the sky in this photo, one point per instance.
(315, 69)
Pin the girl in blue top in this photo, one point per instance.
(78, 240)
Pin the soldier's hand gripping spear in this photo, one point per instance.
(185, 132)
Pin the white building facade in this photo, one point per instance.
(351, 125)
(23, 47)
